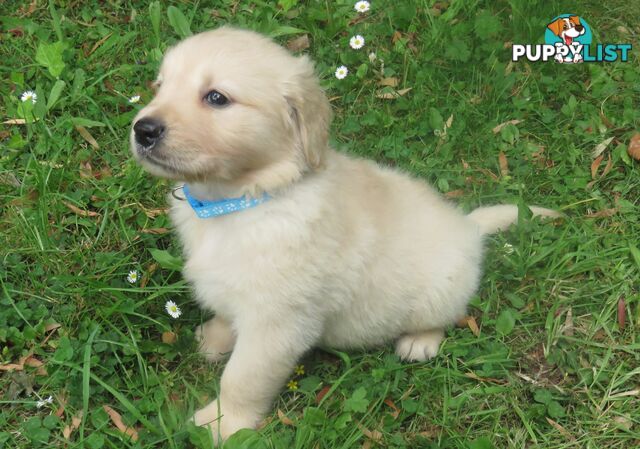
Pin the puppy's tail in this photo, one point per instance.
(492, 219)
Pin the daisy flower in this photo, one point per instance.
(173, 309)
(508, 248)
(42, 402)
(292, 385)
(132, 277)
(29, 96)
(362, 6)
(341, 72)
(299, 370)
(134, 99)
(356, 42)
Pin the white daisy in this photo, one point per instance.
(29, 96)
(362, 6)
(42, 402)
(134, 99)
(508, 248)
(356, 42)
(173, 309)
(341, 72)
(132, 277)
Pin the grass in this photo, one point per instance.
(552, 364)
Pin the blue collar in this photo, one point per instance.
(208, 209)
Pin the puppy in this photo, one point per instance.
(567, 29)
(292, 244)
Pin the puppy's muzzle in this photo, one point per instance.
(148, 132)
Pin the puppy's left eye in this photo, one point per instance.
(215, 98)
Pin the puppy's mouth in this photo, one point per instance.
(153, 156)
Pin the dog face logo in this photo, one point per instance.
(568, 33)
(567, 28)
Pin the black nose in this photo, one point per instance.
(148, 131)
(579, 28)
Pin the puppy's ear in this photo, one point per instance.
(575, 20)
(309, 114)
(556, 26)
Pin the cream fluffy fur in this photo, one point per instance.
(346, 254)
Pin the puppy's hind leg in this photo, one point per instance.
(419, 346)
(215, 338)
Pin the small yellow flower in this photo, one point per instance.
(362, 6)
(292, 385)
(173, 309)
(341, 72)
(29, 96)
(299, 370)
(132, 277)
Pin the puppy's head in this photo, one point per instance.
(233, 107)
(567, 28)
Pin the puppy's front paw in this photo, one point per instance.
(215, 338)
(419, 347)
(223, 422)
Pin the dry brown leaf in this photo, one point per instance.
(561, 429)
(396, 411)
(567, 329)
(396, 36)
(116, 419)
(147, 275)
(284, 419)
(168, 337)
(390, 81)
(83, 213)
(595, 164)
(470, 322)
(622, 313)
(489, 173)
(75, 423)
(474, 376)
(599, 149)
(62, 400)
(153, 213)
(373, 435)
(498, 128)
(603, 213)
(366, 444)
(607, 167)
(99, 43)
(35, 363)
(52, 327)
(454, 193)
(14, 121)
(86, 171)
(19, 366)
(465, 164)
(322, 393)
(634, 147)
(623, 422)
(9, 179)
(86, 135)
(504, 165)
(387, 95)
(449, 122)
(155, 231)
(299, 43)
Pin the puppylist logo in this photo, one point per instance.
(568, 39)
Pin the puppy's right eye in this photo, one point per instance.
(215, 98)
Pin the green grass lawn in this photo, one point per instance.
(555, 360)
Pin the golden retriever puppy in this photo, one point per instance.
(290, 243)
